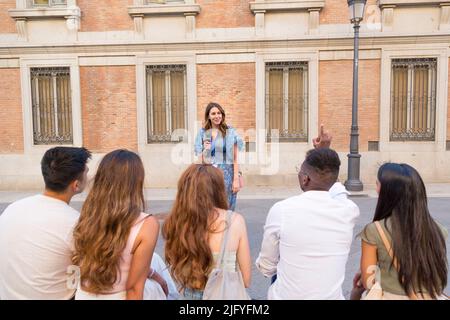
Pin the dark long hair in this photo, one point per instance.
(223, 125)
(417, 241)
(201, 190)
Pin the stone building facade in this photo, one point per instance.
(137, 74)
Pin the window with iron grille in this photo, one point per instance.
(48, 3)
(286, 101)
(166, 102)
(51, 105)
(413, 99)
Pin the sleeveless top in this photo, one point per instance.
(118, 292)
(229, 260)
(125, 260)
(229, 264)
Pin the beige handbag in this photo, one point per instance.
(223, 284)
(376, 292)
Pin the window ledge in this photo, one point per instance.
(158, 9)
(45, 12)
(287, 5)
(383, 3)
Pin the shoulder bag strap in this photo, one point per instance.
(388, 247)
(224, 239)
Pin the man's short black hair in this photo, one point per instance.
(325, 162)
(62, 165)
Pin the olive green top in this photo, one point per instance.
(389, 277)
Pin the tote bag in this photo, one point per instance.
(223, 284)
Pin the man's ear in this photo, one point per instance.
(305, 180)
(76, 186)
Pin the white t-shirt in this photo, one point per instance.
(306, 242)
(36, 249)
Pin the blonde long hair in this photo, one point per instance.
(110, 210)
(201, 190)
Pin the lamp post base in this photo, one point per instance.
(353, 185)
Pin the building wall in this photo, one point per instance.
(7, 24)
(335, 101)
(108, 99)
(223, 50)
(105, 16)
(225, 14)
(11, 127)
(448, 108)
(337, 12)
(233, 87)
(334, 12)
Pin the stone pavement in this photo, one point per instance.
(254, 203)
(434, 190)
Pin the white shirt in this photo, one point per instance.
(306, 242)
(36, 249)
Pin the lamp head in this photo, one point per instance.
(356, 8)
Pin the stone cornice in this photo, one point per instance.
(164, 9)
(369, 42)
(44, 12)
(383, 3)
(286, 5)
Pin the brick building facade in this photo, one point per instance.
(138, 74)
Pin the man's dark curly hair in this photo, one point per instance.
(62, 165)
(325, 162)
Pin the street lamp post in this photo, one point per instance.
(353, 182)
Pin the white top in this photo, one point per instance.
(306, 243)
(36, 249)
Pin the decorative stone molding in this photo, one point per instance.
(164, 9)
(411, 2)
(286, 5)
(259, 22)
(431, 40)
(190, 26)
(44, 12)
(21, 27)
(24, 12)
(139, 10)
(138, 26)
(387, 18)
(314, 21)
(388, 6)
(444, 23)
(260, 8)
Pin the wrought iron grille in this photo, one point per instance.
(286, 101)
(166, 103)
(413, 99)
(48, 3)
(51, 105)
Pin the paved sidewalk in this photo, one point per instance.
(434, 190)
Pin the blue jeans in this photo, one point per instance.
(191, 294)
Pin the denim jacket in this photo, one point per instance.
(231, 139)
